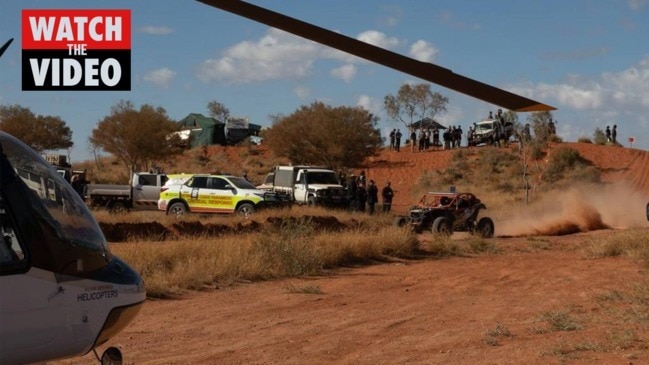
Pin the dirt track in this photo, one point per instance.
(429, 311)
(486, 309)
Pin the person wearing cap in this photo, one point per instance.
(372, 196)
(387, 195)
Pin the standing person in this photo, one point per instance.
(413, 139)
(393, 136)
(362, 180)
(397, 141)
(469, 136)
(361, 197)
(351, 192)
(387, 195)
(436, 138)
(608, 134)
(422, 140)
(447, 139)
(372, 196)
(614, 134)
(459, 136)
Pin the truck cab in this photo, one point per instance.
(146, 190)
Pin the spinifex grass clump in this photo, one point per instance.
(292, 249)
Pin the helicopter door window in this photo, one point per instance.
(11, 251)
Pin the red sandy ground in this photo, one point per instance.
(428, 311)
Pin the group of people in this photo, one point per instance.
(428, 138)
(363, 195)
(611, 136)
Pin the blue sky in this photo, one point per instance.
(590, 59)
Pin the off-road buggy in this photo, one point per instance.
(444, 213)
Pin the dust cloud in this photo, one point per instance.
(578, 209)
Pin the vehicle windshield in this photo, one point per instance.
(322, 177)
(54, 200)
(241, 183)
(484, 127)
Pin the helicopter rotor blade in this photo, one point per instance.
(5, 46)
(427, 71)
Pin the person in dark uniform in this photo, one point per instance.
(397, 141)
(361, 197)
(387, 195)
(351, 191)
(608, 134)
(614, 134)
(372, 196)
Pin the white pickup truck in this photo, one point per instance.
(142, 194)
(310, 185)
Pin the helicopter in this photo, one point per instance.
(62, 292)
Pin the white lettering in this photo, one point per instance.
(39, 72)
(65, 30)
(117, 72)
(92, 29)
(113, 31)
(91, 72)
(80, 21)
(42, 29)
(56, 72)
(72, 72)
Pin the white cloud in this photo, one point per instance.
(159, 30)
(637, 4)
(378, 39)
(372, 105)
(423, 51)
(624, 90)
(277, 55)
(302, 92)
(161, 77)
(584, 103)
(281, 55)
(344, 72)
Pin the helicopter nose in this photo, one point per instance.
(130, 294)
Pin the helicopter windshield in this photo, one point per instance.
(56, 205)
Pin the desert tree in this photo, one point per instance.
(218, 110)
(137, 138)
(599, 136)
(413, 103)
(40, 132)
(319, 134)
(540, 122)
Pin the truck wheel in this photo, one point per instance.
(245, 209)
(177, 209)
(311, 201)
(485, 227)
(441, 225)
(117, 208)
(399, 221)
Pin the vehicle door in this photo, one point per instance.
(220, 195)
(195, 193)
(299, 188)
(146, 191)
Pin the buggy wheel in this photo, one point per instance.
(399, 221)
(177, 209)
(485, 227)
(441, 225)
